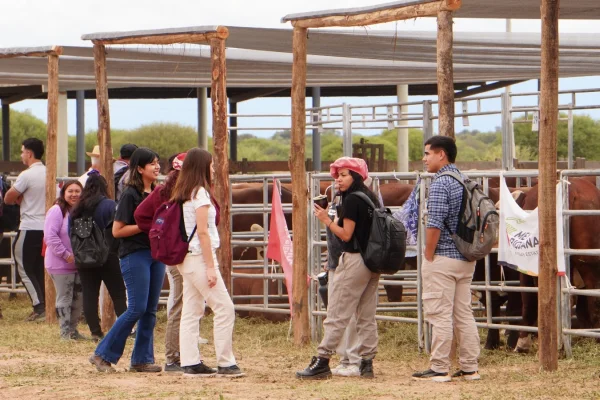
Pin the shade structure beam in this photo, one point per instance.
(198, 35)
(396, 11)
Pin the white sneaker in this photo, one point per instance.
(336, 371)
(348, 370)
(201, 340)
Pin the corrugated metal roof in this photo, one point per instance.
(512, 9)
(261, 58)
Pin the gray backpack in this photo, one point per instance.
(478, 222)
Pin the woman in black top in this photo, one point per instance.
(143, 275)
(94, 201)
(354, 286)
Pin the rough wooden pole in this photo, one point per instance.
(218, 95)
(547, 315)
(51, 147)
(299, 190)
(445, 73)
(106, 161)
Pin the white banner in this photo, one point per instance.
(518, 242)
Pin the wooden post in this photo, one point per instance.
(445, 73)
(547, 316)
(106, 161)
(218, 95)
(51, 148)
(299, 190)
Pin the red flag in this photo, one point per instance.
(280, 243)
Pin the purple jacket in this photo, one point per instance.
(58, 244)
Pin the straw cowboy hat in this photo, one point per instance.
(95, 152)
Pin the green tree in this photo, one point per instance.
(586, 132)
(24, 125)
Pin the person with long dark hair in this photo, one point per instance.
(94, 202)
(144, 216)
(353, 289)
(202, 280)
(143, 275)
(60, 261)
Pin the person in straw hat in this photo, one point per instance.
(95, 159)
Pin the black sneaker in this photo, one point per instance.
(317, 369)
(467, 376)
(230, 372)
(366, 369)
(431, 375)
(199, 370)
(173, 367)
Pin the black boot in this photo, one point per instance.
(366, 369)
(317, 369)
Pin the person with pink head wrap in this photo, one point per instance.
(353, 289)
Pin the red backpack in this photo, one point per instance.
(169, 242)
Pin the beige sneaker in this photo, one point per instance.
(349, 370)
(336, 371)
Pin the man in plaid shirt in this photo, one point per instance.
(446, 273)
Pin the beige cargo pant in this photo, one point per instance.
(354, 293)
(447, 306)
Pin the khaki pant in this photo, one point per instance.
(354, 293)
(348, 347)
(173, 315)
(195, 293)
(447, 306)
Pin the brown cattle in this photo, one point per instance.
(255, 287)
(584, 234)
(253, 194)
(395, 194)
(494, 194)
(510, 182)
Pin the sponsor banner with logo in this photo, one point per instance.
(518, 242)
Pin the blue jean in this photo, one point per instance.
(143, 278)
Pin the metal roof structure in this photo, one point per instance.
(341, 62)
(506, 9)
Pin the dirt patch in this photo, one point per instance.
(36, 364)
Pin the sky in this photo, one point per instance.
(62, 22)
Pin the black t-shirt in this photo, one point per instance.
(129, 201)
(358, 211)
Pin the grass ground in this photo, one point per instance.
(35, 364)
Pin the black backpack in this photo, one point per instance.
(386, 247)
(89, 245)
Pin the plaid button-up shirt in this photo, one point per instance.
(443, 207)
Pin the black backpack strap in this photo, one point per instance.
(192, 235)
(365, 198)
(182, 230)
(370, 203)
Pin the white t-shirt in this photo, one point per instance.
(31, 183)
(201, 199)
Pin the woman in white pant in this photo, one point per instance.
(202, 280)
